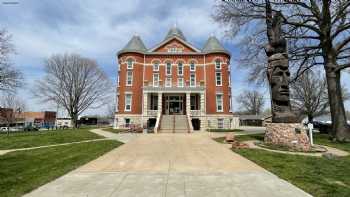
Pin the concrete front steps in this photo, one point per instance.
(174, 124)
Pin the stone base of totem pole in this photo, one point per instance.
(290, 135)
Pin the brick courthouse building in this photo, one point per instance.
(174, 86)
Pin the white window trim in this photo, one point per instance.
(216, 79)
(127, 76)
(155, 83)
(182, 69)
(166, 69)
(157, 66)
(168, 79)
(132, 64)
(220, 65)
(178, 82)
(193, 85)
(125, 109)
(194, 68)
(217, 104)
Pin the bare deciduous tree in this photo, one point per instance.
(251, 102)
(309, 95)
(317, 33)
(10, 78)
(74, 82)
(11, 107)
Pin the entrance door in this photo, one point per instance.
(174, 105)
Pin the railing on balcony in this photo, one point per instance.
(173, 86)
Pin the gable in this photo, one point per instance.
(174, 45)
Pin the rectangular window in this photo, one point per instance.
(230, 103)
(168, 68)
(220, 123)
(129, 78)
(218, 79)
(180, 82)
(168, 82)
(193, 80)
(130, 63)
(128, 99)
(192, 67)
(180, 68)
(156, 80)
(118, 82)
(194, 102)
(154, 102)
(219, 107)
(229, 80)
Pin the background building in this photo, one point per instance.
(174, 83)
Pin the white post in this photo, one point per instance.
(311, 127)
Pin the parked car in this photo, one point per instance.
(323, 127)
(31, 128)
(4, 129)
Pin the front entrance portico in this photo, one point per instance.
(174, 104)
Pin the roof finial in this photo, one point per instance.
(212, 34)
(175, 24)
(136, 34)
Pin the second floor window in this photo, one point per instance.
(180, 69)
(168, 68)
(156, 66)
(218, 79)
(130, 64)
(219, 103)
(168, 82)
(129, 78)
(128, 101)
(180, 82)
(192, 80)
(156, 80)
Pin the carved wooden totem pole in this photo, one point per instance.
(284, 129)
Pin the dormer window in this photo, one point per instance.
(156, 66)
(130, 63)
(217, 64)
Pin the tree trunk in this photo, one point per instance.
(340, 129)
(310, 118)
(74, 117)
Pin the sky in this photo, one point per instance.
(99, 29)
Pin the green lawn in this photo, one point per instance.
(41, 138)
(23, 171)
(317, 176)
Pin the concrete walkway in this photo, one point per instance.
(169, 165)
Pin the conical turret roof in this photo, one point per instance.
(213, 45)
(134, 45)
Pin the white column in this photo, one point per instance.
(202, 103)
(145, 103)
(188, 103)
(160, 102)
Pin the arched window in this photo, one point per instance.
(180, 68)
(156, 66)
(217, 64)
(192, 66)
(168, 68)
(130, 63)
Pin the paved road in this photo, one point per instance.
(169, 165)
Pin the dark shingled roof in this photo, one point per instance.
(134, 45)
(213, 46)
(174, 31)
